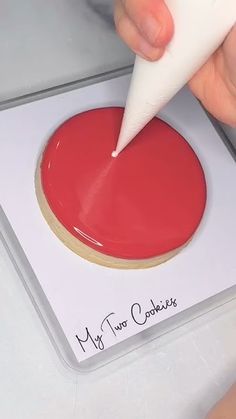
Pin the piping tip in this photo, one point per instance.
(114, 154)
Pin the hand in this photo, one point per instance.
(226, 408)
(147, 27)
(215, 83)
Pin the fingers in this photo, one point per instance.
(229, 51)
(152, 18)
(145, 25)
(130, 34)
(226, 408)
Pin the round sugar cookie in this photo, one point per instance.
(133, 211)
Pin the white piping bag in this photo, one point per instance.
(200, 28)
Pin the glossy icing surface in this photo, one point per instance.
(144, 203)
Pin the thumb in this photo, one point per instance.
(152, 19)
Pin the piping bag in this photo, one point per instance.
(200, 28)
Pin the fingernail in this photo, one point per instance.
(148, 51)
(151, 29)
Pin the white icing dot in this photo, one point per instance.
(114, 154)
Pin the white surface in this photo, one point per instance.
(176, 377)
(200, 28)
(62, 273)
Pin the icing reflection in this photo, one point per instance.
(85, 236)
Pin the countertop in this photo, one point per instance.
(47, 44)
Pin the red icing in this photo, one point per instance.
(144, 203)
